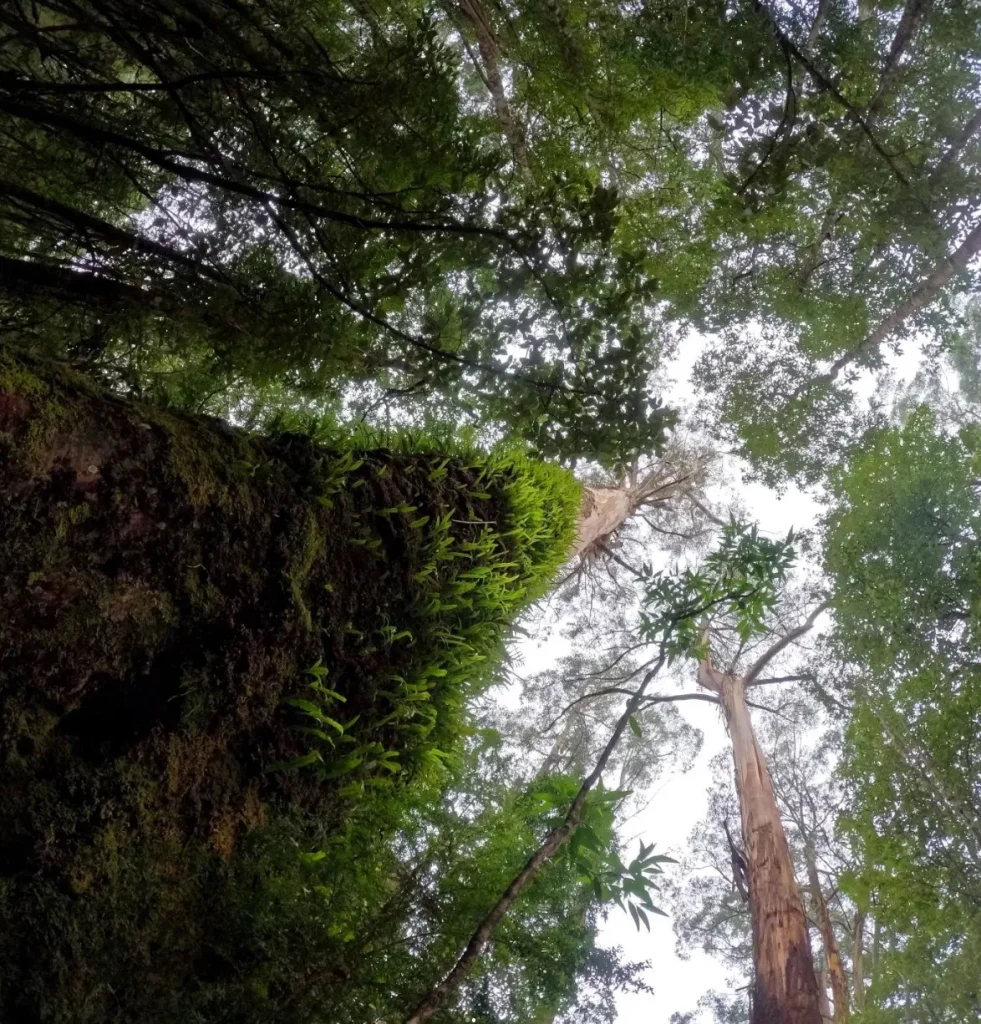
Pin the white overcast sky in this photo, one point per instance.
(679, 801)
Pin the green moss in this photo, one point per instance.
(168, 582)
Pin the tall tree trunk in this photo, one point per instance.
(167, 582)
(836, 973)
(785, 989)
(858, 961)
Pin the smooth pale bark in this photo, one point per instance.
(823, 995)
(604, 511)
(785, 988)
(836, 973)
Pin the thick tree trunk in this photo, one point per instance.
(785, 988)
(168, 580)
(604, 511)
(836, 973)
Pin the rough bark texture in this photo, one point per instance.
(832, 958)
(785, 989)
(166, 583)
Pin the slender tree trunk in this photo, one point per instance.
(490, 53)
(876, 949)
(836, 973)
(858, 961)
(785, 988)
(823, 995)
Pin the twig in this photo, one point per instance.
(785, 641)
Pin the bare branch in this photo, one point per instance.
(785, 641)
(780, 679)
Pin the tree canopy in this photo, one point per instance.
(348, 345)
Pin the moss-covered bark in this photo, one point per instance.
(167, 582)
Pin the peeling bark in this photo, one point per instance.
(785, 986)
(836, 973)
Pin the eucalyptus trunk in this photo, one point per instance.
(785, 988)
(604, 510)
(836, 972)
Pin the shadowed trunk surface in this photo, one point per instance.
(167, 581)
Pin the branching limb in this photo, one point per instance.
(909, 23)
(941, 276)
(750, 678)
(554, 841)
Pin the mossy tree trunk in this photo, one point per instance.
(168, 581)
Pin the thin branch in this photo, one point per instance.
(648, 701)
(164, 159)
(626, 565)
(586, 696)
(909, 24)
(16, 84)
(941, 276)
(786, 122)
(780, 679)
(785, 641)
(829, 86)
(708, 513)
(554, 841)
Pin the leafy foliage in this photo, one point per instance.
(740, 577)
(902, 549)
